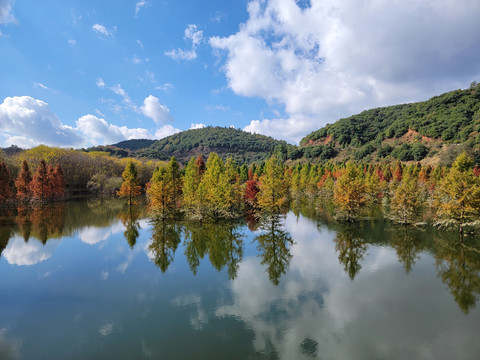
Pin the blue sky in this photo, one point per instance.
(82, 73)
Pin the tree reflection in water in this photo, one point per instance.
(274, 247)
(405, 240)
(130, 219)
(165, 240)
(351, 248)
(222, 241)
(458, 265)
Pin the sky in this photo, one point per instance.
(79, 73)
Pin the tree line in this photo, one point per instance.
(47, 183)
(406, 194)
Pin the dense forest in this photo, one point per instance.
(405, 132)
(242, 146)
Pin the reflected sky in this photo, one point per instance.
(183, 290)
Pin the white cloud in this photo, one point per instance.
(28, 122)
(165, 131)
(102, 30)
(164, 87)
(19, 252)
(100, 131)
(136, 60)
(197, 126)
(6, 13)
(333, 59)
(138, 6)
(32, 119)
(100, 83)
(40, 85)
(191, 34)
(179, 54)
(140, 44)
(72, 41)
(153, 109)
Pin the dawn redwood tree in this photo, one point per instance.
(58, 181)
(349, 195)
(22, 183)
(251, 191)
(458, 195)
(39, 184)
(6, 188)
(130, 187)
(272, 196)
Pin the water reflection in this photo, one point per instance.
(223, 241)
(130, 219)
(274, 247)
(351, 248)
(165, 240)
(458, 265)
(294, 288)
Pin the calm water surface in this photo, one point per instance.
(93, 280)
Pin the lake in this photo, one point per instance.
(94, 280)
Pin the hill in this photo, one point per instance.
(405, 132)
(244, 147)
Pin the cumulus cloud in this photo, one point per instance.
(32, 119)
(100, 131)
(329, 60)
(191, 34)
(165, 131)
(102, 30)
(28, 122)
(153, 109)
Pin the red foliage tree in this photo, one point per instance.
(39, 184)
(6, 184)
(22, 183)
(58, 182)
(200, 164)
(251, 191)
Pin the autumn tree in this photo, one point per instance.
(251, 191)
(210, 183)
(193, 190)
(458, 195)
(165, 189)
(230, 191)
(349, 194)
(58, 181)
(22, 183)
(130, 187)
(407, 201)
(272, 195)
(6, 188)
(39, 184)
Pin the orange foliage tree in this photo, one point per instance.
(22, 183)
(130, 187)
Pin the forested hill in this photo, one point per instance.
(405, 132)
(244, 147)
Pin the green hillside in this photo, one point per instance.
(405, 132)
(244, 147)
(134, 144)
